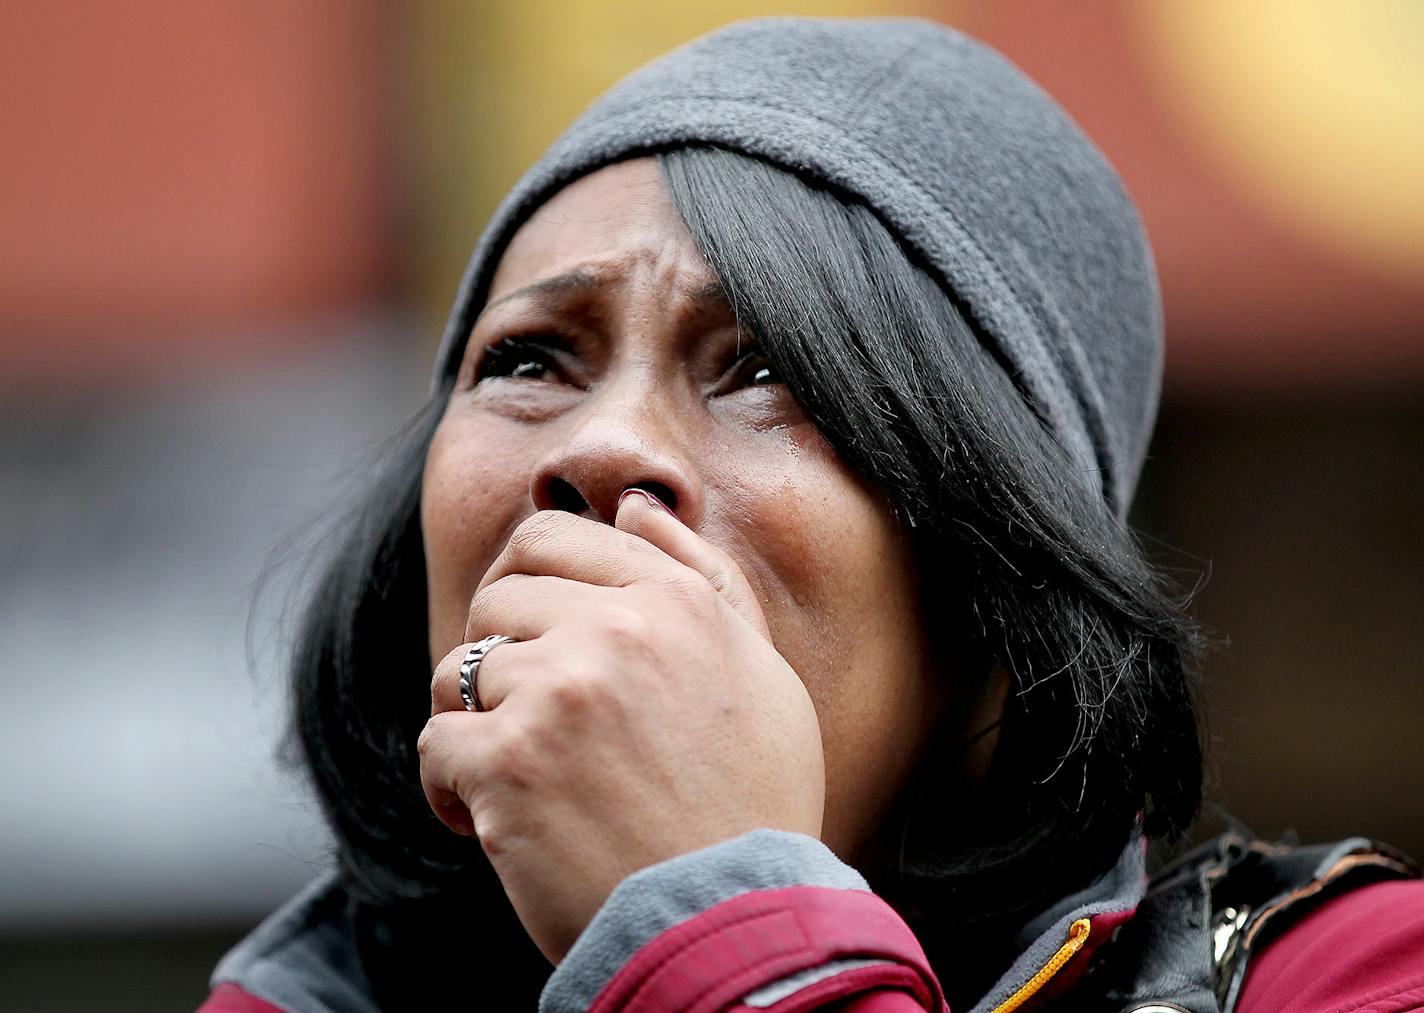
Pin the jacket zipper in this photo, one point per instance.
(1077, 936)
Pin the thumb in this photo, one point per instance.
(643, 514)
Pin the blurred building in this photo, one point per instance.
(231, 234)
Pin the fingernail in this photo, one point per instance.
(650, 498)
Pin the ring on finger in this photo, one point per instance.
(470, 668)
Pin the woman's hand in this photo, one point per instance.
(643, 714)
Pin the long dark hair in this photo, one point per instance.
(1019, 564)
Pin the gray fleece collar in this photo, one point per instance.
(974, 167)
(1118, 890)
(304, 957)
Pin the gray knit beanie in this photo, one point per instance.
(969, 162)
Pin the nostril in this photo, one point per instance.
(563, 496)
(662, 492)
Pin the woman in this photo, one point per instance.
(764, 534)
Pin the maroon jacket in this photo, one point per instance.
(839, 947)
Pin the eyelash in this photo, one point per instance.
(752, 355)
(505, 357)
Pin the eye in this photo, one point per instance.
(751, 369)
(519, 359)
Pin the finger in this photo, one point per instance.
(522, 605)
(446, 747)
(556, 543)
(503, 667)
(641, 514)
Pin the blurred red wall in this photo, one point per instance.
(176, 172)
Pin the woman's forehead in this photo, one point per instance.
(601, 224)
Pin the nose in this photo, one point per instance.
(624, 436)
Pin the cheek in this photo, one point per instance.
(836, 581)
(470, 505)
(824, 550)
(834, 576)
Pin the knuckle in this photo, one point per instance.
(511, 762)
(572, 692)
(444, 697)
(485, 605)
(625, 626)
(537, 531)
(691, 591)
(427, 741)
(451, 659)
(724, 575)
(490, 827)
(479, 607)
(444, 674)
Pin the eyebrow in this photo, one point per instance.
(583, 281)
(711, 292)
(570, 281)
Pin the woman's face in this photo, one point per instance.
(607, 357)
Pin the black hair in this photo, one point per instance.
(1101, 726)
(1019, 564)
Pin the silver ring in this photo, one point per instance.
(470, 668)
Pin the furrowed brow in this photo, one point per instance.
(571, 281)
(711, 292)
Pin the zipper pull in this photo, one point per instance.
(1077, 936)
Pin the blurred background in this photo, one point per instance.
(231, 231)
